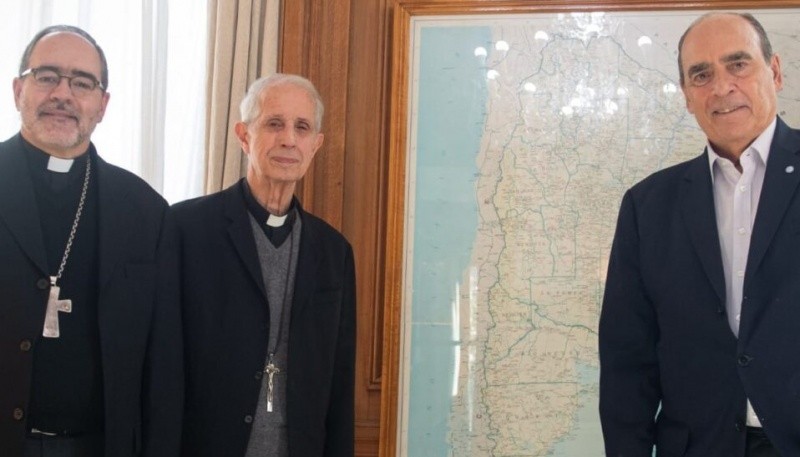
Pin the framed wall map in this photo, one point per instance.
(516, 130)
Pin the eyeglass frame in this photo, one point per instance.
(69, 78)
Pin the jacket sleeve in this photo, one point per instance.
(162, 390)
(630, 392)
(340, 420)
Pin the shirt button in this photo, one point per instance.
(18, 414)
(248, 419)
(25, 345)
(42, 283)
(740, 273)
(742, 230)
(742, 188)
(738, 316)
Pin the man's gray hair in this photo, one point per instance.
(250, 108)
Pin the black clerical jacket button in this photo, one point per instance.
(259, 374)
(248, 419)
(25, 345)
(42, 283)
(739, 425)
(744, 360)
(18, 414)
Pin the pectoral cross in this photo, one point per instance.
(270, 370)
(54, 305)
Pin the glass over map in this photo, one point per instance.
(524, 133)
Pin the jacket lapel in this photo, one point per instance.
(307, 264)
(699, 215)
(780, 184)
(241, 234)
(18, 210)
(116, 219)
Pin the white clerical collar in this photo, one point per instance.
(59, 165)
(276, 221)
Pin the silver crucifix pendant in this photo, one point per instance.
(270, 370)
(54, 305)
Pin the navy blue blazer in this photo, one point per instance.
(664, 337)
(138, 316)
(226, 323)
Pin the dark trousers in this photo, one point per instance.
(758, 445)
(64, 446)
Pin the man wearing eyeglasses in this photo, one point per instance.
(90, 335)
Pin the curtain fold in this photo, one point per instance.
(238, 38)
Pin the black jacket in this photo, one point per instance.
(138, 316)
(664, 335)
(226, 321)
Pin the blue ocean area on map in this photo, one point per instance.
(585, 436)
(451, 112)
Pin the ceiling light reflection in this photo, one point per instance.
(670, 88)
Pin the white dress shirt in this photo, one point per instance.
(736, 196)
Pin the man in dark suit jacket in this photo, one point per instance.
(699, 346)
(268, 294)
(99, 375)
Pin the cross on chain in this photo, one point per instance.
(54, 305)
(271, 370)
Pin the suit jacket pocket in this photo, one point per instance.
(672, 438)
(131, 297)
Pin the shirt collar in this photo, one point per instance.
(37, 165)
(259, 212)
(761, 145)
(39, 158)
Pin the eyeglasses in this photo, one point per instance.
(48, 78)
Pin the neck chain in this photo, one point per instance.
(54, 305)
(74, 228)
(271, 369)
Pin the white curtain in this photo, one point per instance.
(243, 46)
(156, 51)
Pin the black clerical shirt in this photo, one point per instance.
(67, 384)
(276, 235)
